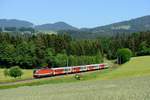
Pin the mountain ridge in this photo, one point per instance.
(132, 25)
(55, 26)
(15, 23)
(128, 26)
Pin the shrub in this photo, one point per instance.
(143, 49)
(6, 72)
(123, 55)
(77, 76)
(15, 72)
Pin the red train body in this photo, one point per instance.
(43, 72)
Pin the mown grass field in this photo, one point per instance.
(119, 89)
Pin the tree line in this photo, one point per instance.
(138, 43)
(33, 50)
(15, 29)
(55, 50)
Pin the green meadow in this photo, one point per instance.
(136, 67)
(129, 81)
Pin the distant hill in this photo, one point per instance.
(130, 26)
(133, 25)
(15, 23)
(55, 27)
(44, 27)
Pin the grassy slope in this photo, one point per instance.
(138, 66)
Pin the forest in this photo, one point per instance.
(54, 50)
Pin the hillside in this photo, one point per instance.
(137, 66)
(15, 23)
(44, 27)
(133, 25)
(129, 26)
(55, 27)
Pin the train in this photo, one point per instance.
(47, 72)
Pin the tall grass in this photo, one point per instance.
(119, 89)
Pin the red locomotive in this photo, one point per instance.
(43, 72)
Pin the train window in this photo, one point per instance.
(67, 69)
(82, 67)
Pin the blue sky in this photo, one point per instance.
(79, 13)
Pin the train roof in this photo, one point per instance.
(70, 66)
(75, 66)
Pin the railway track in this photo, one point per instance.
(17, 81)
(44, 78)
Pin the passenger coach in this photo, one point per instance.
(43, 72)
